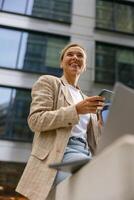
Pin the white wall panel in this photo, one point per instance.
(114, 38)
(18, 79)
(33, 24)
(14, 151)
(82, 31)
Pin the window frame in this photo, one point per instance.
(58, 71)
(121, 2)
(115, 72)
(24, 89)
(41, 18)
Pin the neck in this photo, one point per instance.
(72, 80)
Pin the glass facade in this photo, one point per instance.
(31, 52)
(10, 173)
(14, 109)
(59, 10)
(115, 16)
(114, 63)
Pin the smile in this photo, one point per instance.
(74, 65)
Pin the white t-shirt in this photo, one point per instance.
(80, 129)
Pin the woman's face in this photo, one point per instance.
(74, 61)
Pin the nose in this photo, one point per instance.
(75, 56)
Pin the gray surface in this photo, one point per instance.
(120, 119)
(109, 176)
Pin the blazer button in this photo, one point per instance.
(58, 150)
(69, 123)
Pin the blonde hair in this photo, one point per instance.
(69, 46)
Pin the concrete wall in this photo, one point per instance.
(82, 31)
(109, 176)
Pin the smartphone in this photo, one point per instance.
(108, 94)
(104, 113)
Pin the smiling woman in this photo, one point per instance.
(65, 124)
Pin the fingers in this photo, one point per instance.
(90, 105)
(95, 98)
(95, 101)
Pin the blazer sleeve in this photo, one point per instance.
(42, 115)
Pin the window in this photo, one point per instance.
(115, 16)
(114, 63)
(10, 173)
(31, 52)
(14, 109)
(59, 10)
(17, 6)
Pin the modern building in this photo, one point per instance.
(32, 34)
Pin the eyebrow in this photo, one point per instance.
(78, 52)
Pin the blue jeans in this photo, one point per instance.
(76, 149)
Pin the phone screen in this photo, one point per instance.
(104, 113)
(108, 94)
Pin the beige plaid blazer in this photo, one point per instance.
(52, 115)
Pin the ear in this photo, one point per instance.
(85, 69)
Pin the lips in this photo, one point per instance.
(74, 65)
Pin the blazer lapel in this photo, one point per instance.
(65, 90)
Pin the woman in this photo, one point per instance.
(65, 124)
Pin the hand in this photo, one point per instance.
(90, 105)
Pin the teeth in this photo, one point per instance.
(74, 64)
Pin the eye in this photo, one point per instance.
(80, 55)
(69, 54)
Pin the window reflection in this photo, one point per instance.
(0, 4)
(30, 51)
(14, 109)
(9, 44)
(55, 9)
(54, 48)
(114, 63)
(29, 8)
(15, 5)
(115, 16)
